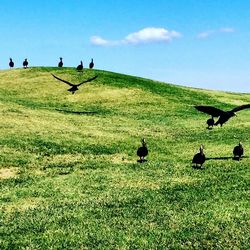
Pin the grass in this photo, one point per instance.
(69, 175)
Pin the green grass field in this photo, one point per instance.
(72, 181)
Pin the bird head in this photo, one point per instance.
(232, 114)
(201, 149)
(60, 58)
(143, 141)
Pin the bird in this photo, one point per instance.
(74, 87)
(25, 63)
(11, 63)
(142, 151)
(60, 64)
(199, 158)
(91, 64)
(224, 116)
(210, 123)
(238, 151)
(80, 66)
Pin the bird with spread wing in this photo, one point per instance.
(224, 116)
(74, 87)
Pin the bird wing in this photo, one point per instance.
(246, 106)
(89, 80)
(69, 83)
(215, 112)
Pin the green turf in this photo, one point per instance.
(71, 180)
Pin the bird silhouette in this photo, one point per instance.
(80, 67)
(210, 123)
(11, 63)
(25, 63)
(142, 151)
(74, 87)
(238, 151)
(224, 116)
(60, 64)
(91, 64)
(199, 158)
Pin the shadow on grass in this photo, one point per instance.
(78, 112)
(226, 158)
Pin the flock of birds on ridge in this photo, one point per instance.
(199, 158)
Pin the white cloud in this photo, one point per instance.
(208, 33)
(143, 36)
(205, 34)
(227, 30)
(97, 40)
(151, 35)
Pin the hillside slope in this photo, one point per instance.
(69, 175)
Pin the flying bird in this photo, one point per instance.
(74, 87)
(25, 63)
(11, 63)
(60, 64)
(224, 116)
(199, 158)
(142, 151)
(238, 151)
(91, 64)
(80, 67)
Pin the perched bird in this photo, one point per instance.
(142, 151)
(199, 158)
(60, 64)
(25, 63)
(11, 63)
(238, 151)
(91, 64)
(210, 123)
(74, 87)
(224, 116)
(80, 67)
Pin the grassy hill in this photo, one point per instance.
(69, 176)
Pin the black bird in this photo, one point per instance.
(238, 151)
(91, 64)
(142, 151)
(224, 116)
(25, 63)
(74, 87)
(210, 123)
(60, 64)
(199, 158)
(11, 63)
(80, 67)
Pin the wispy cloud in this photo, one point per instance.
(143, 36)
(209, 33)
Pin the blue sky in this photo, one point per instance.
(199, 43)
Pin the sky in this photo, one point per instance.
(197, 43)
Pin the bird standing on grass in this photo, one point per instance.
(11, 63)
(199, 158)
(25, 63)
(238, 151)
(80, 67)
(91, 64)
(60, 64)
(142, 151)
(224, 116)
(74, 87)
